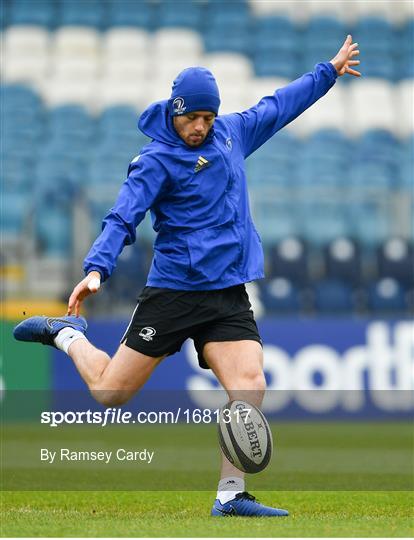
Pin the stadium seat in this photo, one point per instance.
(322, 221)
(118, 119)
(405, 50)
(370, 220)
(228, 67)
(189, 17)
(67, 91)
(132, 14)
(331, 29)
(54, 231)
(78, 68)
(26, 70)
(73, 119)
(16, 206)
(115, 93)
(273, 217)
(379, 66)
(342, 260)
(235, 13)
(90, 13)
(277, 35)
(404, 98)
(395, 259)
(387, 295)
(119, 43)
(265, 86)
(280, 296)
(18, 96)
(289, 258)
(25, 40)
(41, 12)
(227, 39)
(329, 113)
(269, 64)
(379, 9)
(333, 296)
(365, 98)
(278, 9)
(76, 41)
(376, 34)
(176, 42)
(321, 8)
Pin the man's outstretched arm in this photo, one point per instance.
(145, 182)
(259, 123)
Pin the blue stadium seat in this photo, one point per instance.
(289, 258)
(342, 258)
(118, 118)
(15, 97)
(273, 216)
(58, 177)
(263, 174)
(376, 34)
(126, 13)
(222, 38)
(282, 150)
(24, 126)
(387, 295)
(371, 223)
(40, 12)
(72, 119)
(333, 296)
(276, 34)
(188, 15)
(107, 170)
(235, 13)
(378, 145)
(379, 65)
(395, 259)
(53, 227)
(280, 296)
(15, 208)
(17, 168)
(322, 221)
(405, 51)
(372, 177)
(4, 15)
(271, 64)
(407, 165)
(330, 29)
(90, 13)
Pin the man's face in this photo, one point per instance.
(194, 127)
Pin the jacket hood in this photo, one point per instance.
(156, 122)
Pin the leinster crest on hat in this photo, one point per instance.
(178, 105)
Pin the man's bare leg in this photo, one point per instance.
(112, 381)
(238, 365)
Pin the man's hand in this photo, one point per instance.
(87, 286)
(342, 62)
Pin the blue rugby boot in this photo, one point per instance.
(245, 505)
(45, 329)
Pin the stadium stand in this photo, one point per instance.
(335, 189)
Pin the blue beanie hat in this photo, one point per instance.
(194, 89)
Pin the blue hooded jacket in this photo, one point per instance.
(198, 196)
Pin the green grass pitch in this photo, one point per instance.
(186, 514)
(336, 479)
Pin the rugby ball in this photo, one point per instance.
(245, 436)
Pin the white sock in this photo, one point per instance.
(66, 337)
(229, 487)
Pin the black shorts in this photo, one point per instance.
(165, 318)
